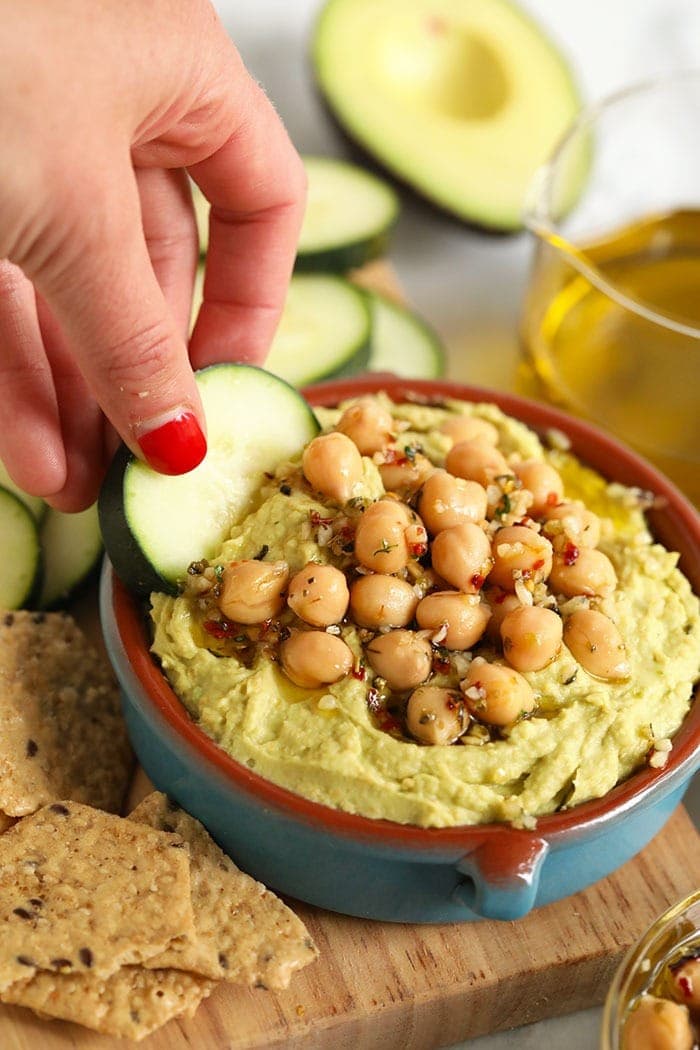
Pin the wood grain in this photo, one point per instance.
(402, 987)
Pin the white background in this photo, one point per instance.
(469, 284)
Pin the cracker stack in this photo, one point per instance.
(114, 923)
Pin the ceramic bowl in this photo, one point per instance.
(380, 869)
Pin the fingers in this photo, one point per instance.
(82, 430)
(171, 237)
(31, 444)
(256, 184)
(97, 276)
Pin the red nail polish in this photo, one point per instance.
(175, 447)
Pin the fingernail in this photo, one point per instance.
(176, 446)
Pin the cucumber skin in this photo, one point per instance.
(345, 257)
(123, 550)
(431, 336)
(31, 595)
(129, 561)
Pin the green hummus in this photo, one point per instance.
(584, 736)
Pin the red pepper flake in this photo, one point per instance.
(395, 457)
(265, 627)
(418, 549)
(571, 553)
(539, 564)
(478, 581)
(316, 518)
(360, 673)
(389, 724)
(441, 663)
(552, 499)
(219, 628)
(499, 599)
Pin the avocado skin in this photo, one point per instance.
(364, 154)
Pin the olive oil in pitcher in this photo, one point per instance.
(612, 330)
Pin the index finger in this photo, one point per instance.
(257, 188)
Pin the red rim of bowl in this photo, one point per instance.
(676, 524)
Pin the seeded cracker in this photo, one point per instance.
(62, 733)
(82, 890)
(131, 1003)
(244, 933)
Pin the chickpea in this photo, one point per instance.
(462, 556)
(435, 715)
(407, 474)
(402, 658)
(251, 591)
(501, 603)
(595, 642)
(380, 537)
(658, 1024)
(382, 601)
(543, 481)
(470, 428)
(574, 523)
(582, 571)
(476, 461)
(496, 694)
(332, 466)
(319, 595)
(465, 616)
(516, 548)
(531, 637)
(446, 501)
(685, 981)
(314, 658)
(368, 424)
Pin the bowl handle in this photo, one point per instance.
(503, 874)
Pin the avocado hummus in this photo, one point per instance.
(348, 743)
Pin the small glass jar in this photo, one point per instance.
(672, 936)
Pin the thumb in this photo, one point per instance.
(100, 285)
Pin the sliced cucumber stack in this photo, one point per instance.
(350, 214)
(20, 572)
(72, 545)
(154, 526)
(402, 342)
(324, 331)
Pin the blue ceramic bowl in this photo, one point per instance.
(379, 869)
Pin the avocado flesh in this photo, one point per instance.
(461, 99)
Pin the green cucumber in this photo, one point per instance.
(154, 526)
(402, 342)
(20, 572)
(71, 545)
(350, 214)
(324, 331)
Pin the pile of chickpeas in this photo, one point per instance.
(483, 551)
(669, 1019)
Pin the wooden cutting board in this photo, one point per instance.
(402, 987)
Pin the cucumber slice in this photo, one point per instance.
(324, 331)
(20, 573)
(350, 214)
(72, 544)
(154, 526)
(402, 342)
(201, 214)
(35, 504)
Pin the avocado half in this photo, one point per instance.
(460, 99)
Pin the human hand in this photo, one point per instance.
(103, 107)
